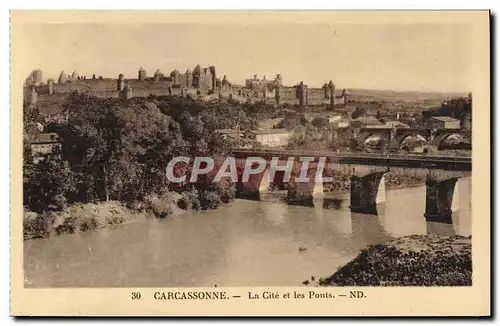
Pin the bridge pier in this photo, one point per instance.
(366, 192)
(304, 193)
(440, 200)
(257, 185)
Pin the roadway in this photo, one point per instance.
(455, 163)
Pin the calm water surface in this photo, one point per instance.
(246, 243)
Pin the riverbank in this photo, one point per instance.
(82, 217)
(77, 218)
(415, 260)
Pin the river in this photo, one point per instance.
(245, 243)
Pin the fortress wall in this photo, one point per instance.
(183, 80)
(43, 89)
(149, 84)
(315, 93)
(103, 93)
(291, 101)
(316, 96)
(44, 98)
(96, 84)
(176, 91)
(108, 83)
(191, 91)
(145, 92)
(206, 81)
(340, 100)
(270, 100)
(85, 85)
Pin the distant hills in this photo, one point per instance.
(358, 94)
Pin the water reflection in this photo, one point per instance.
(403, 213)
(245, 243)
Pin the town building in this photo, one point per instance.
(229, 133)
(272, 137)
(43, 144)
(442, 123)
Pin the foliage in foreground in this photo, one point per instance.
(435, 262)
(119, 150)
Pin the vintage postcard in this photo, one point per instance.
(250, 163)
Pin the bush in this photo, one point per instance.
(209, 199)
(409, 261)
(75, 218)
(190, 200)
(160, 206)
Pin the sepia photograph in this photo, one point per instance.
(330, 156)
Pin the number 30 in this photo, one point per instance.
(136, 295)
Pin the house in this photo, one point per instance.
(272, 137)
(229, 133)
(44, 144)
(342, 124)
(442, 122)
(365, 120)
(395, 124)
(335, 118)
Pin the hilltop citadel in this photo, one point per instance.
(199, 83)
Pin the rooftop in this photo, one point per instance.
(270, 131)
(50, 137)
(445, 119)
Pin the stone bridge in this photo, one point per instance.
(367, 181)
(394, 137)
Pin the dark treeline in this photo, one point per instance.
(112, 149)
(458, 108)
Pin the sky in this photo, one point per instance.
(421, 57)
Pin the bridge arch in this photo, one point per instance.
(442, 136)
(404, 134)
(380, 136)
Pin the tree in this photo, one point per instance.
(48, 184)
(456, 108)
(358, 112)
(320, 122)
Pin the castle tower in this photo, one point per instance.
(196, 76)
(277, 94)
(302, 94)
(120, 84)
(189, 78)
(74, 76)
(175, 76)
(158, 75)
(331, 88)
(278, 80)
(35, 78)
(141, 74)
(34, 95)
(50, 83)
(63, 78)
(128, 92)
(214, 77)
(224, 83)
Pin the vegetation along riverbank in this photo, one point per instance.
(415, 260)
